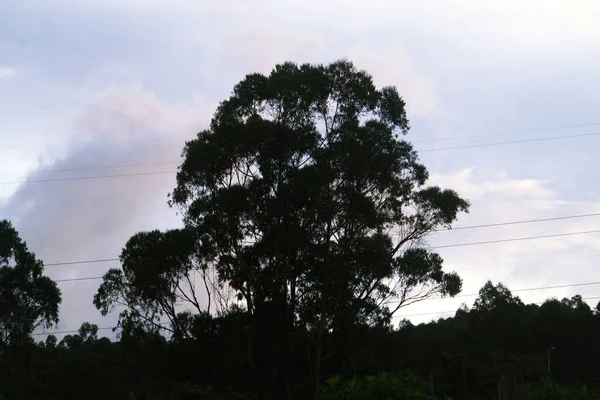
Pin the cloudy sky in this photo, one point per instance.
(91, 83)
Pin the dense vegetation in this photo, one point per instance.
(467, 352)
(305, 223)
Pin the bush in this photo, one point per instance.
(400, 386)
(189, 391)
(544, 390)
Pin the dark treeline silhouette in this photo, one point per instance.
(305, 223)
(499, 336)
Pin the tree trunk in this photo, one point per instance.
(317, 374)
(291, 358)
(274, 374)
(511, 388)
(322, 325)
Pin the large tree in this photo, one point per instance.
(28, 298)
(307, 203)
(305, 200)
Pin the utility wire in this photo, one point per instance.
(104, 328)
(79, 178)
(514, 239)
(512, 291)
(509, 142)
(178, 162)
(89, 278)
(450, 312)
(540, 288)
(81, 262)
(507, 132)
(527, 130)
(395, 316)
(102, 260)
(70, 331)
(527, 221)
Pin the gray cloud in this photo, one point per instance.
(464, 69)
(498, 197)
(92, 218)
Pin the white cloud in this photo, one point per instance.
(394, 66)
(496, 198)
(260, 49)
(7, 72)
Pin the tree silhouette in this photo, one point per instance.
(28, 299)
(306, 202)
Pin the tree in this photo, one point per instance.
(306, 202)
(492, 297)
(157, 281)
(28, 299)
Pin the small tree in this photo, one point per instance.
(28, 299)
(157, 281)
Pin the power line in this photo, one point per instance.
(507, 132)
(510, 142)
(527, 221)
(94, 167)
(70, 331)
(89, 278)
(541, 288)
(454, 311)
(432, 247)
(77, 178)
(395, 316)
(414, 141)
(514, 239)
(512, 291)
(81, 262)
(173, 172)
(104, 328)
(418, 141)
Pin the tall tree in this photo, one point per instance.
(307, 203)
(28, 299)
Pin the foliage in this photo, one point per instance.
(544, 390)
(189, 391)
(399, 386)
(156, 282)
(463, 354)
(28, 299)
(300, 192)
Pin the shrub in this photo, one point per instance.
(544, 390)
(399, 386)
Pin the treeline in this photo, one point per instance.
(459, 357)
(305, 223)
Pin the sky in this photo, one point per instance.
(90, 83)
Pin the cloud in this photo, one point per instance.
(393, 66)
(496, 198)
(7, 72)
(93, 218)
(260, 49)
(460, 60)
